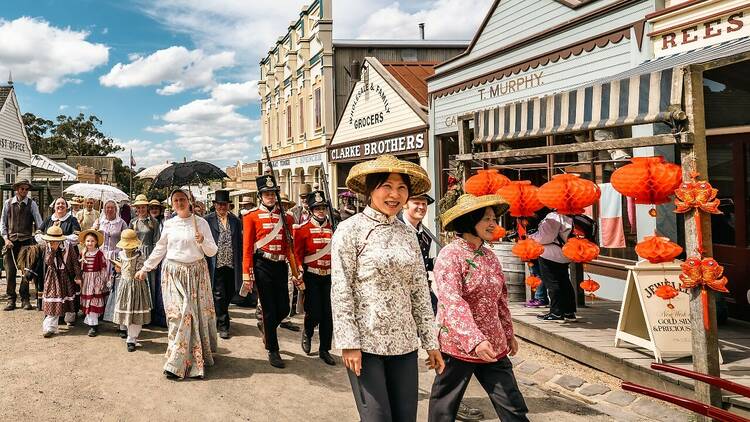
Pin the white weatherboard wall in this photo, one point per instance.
(374, 109)
(13, 141)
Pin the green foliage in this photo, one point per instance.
(79, 135)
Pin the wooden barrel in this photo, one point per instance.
(514, 270)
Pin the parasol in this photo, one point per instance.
(191, 172)
(152, 172)
(101, 192)
(348, 194)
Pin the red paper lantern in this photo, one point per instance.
(522, 197)
(485, 182)
(528, 249)
(667, 292)
(533, 282)
(657, 249)
(648, 180)
(589, 286)
(580, 250)
(498, 234)
(568, 193)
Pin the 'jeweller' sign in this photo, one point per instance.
(396, 145)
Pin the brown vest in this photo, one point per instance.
(20, 221)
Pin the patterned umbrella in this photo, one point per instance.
(152, 172)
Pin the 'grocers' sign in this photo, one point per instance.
(396, 145)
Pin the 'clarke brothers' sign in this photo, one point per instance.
(412, 142)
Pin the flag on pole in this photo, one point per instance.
(132, 160)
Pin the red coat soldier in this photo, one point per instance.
(265, 263)
(312, 247)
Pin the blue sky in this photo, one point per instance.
(176, 78)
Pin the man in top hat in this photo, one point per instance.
(312, 247)
(264, 263)
(88, 215)
(301, 212)
(20, 219)
(225, 267)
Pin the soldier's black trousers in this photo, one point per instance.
(273, 292)
(318, 308)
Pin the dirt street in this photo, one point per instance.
(72, 376)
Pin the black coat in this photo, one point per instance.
(235, 227)
(425, 243)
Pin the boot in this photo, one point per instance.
(326, 357)
(305, 343)
(26, 304)
(10, 306)
(274, 358)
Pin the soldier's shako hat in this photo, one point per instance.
(316, 199)
(265, 184)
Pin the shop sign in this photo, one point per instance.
(301, 161)
(646, 320)
(412, 142)
(369, 92)
(713, 30)
(511, 85)
(12, 145)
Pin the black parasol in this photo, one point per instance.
(188, 173)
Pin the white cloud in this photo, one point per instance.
(236, 93)
(45, 56)
(62, 107)
(105, 31)
(146, 153)
(176, 66)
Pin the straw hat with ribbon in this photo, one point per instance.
(76, 200)
(54, 234)
(420, 181)
(155, 203)
(99, 236)
(140, 200)
(467, 203)
(128, 240)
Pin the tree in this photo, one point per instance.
(68, 135)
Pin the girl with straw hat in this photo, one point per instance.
(185, 242)
(111, 226)
(94, 289)
(133, 305)
(379, 294)
(62, 268)
(476, 332)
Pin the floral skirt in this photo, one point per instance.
(191, 317)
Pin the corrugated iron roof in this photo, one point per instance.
(412, 76)
(4, 92)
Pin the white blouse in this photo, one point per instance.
(178, 243)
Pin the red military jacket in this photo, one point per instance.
(262, 231)
(312, 246)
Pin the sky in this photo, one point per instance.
(174, 79)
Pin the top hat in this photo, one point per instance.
(128, 240)
(140, 200)
(305, 189)
(221, 196)
(316, 199)
(266, 183)
(21, 183)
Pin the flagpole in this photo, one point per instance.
(131, 173)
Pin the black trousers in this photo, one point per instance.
(223, 290)
(271, 279)
(386, 389)
(496, 378)
(10, 272)
(556, 277)
(318, 308)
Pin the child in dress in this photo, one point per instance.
(62, 273)
(133, 303)
(94, 287)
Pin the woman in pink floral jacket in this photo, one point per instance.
(475, 329)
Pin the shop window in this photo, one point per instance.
(11, 171)
(302, 117)
(726, 92)
(318, 109)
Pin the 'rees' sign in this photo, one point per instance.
(690, 31)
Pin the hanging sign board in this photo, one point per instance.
(646, 320)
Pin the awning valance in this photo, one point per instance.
(649, 93)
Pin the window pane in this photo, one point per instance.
(727, 95)
(747, 197)
(720, 165)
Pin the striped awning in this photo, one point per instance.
(649, 93)
(637, 99)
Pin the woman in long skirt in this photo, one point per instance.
(158, 317)
(185, 242)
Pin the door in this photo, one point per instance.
(729, 172)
